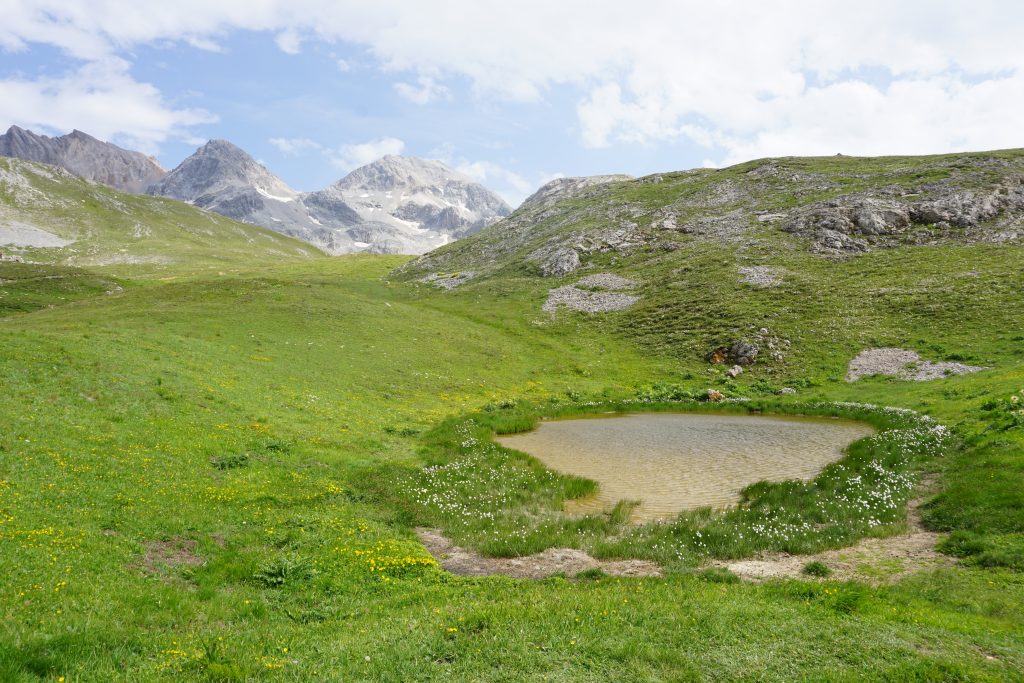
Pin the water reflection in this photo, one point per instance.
(673, 461)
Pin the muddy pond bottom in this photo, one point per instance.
(672, 462)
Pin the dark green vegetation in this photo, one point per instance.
(817, 568)
(198, 476)
(27, 287)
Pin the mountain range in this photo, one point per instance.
(395, 205)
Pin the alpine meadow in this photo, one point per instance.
(252, 433)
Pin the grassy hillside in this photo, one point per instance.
(216, 477)
(95, 227)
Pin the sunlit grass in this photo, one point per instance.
(264, 424)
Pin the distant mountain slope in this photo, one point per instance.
(832, 206)
(223, 178)
(84, 156)
(48, 215)
(397, 205)
(411, 205)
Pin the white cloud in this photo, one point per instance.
(343, 65)
(485, 172)
(102, 99)
(426, 90)
(512, 186)
(295, 146)
(778, 76)
(351, 156)
(289, 41)
(911, 116)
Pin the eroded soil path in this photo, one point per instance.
(538, 566)
(873, 560)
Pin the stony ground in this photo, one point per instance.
(593, 294)
(905, 364)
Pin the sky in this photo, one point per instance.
(517, 93)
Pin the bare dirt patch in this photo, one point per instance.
(171, 553)
(903, 363)
(538, 566)
(874, 560)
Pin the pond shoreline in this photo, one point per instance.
(671, 462)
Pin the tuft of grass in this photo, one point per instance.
(817, 568)
(849, 598)
(284, 570)
(230, 461)
(718, 575)
(592, 574)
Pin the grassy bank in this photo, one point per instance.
(193, 477)
(506, 503)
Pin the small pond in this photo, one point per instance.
(679, 461)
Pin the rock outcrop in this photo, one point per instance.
(743, 352)
(561, 261)
(853, 223)
(565, 188)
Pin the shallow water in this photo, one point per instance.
(674, 461)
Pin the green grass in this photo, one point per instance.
(204, 478)
(134, 236)
(27, 287)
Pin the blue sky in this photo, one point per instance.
(516, 95)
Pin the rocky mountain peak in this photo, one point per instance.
(83, 155)
(392, 172)
(421, 203)
(220, 166)
(396, 204)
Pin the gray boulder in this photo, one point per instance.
(743, 352)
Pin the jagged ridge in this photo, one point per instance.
(84, 156)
